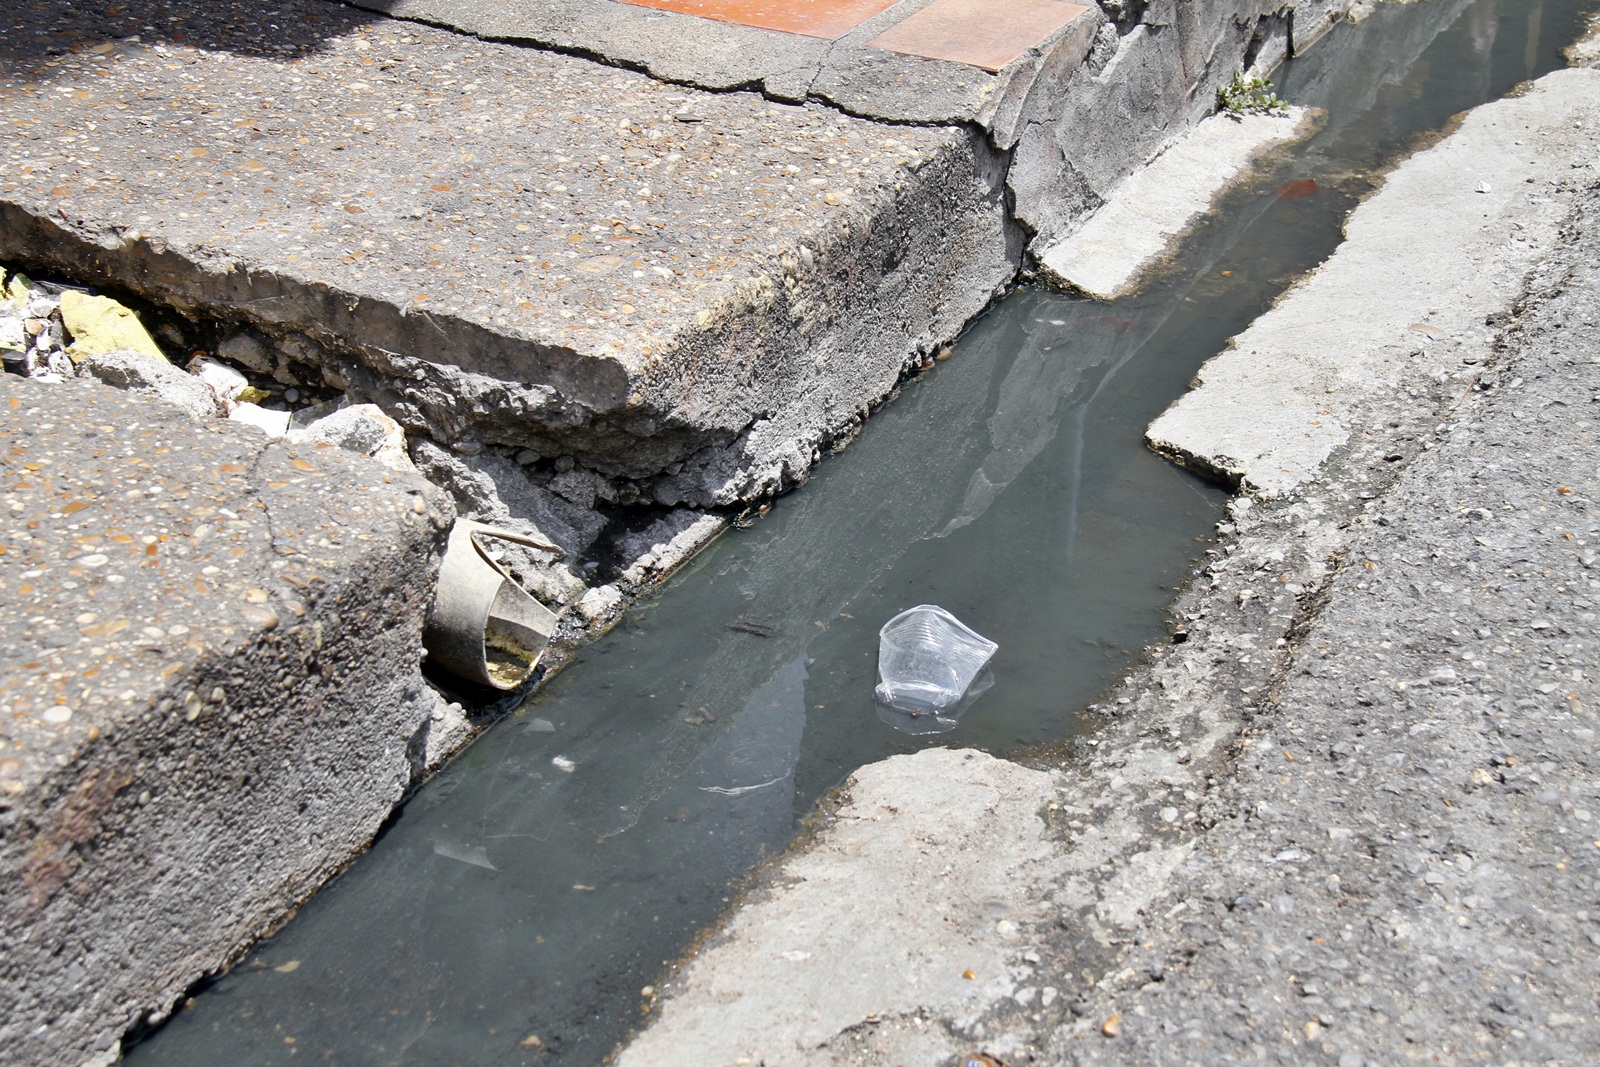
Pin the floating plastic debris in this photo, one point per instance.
(477, 857)
(927, 659)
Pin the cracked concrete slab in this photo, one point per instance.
(846, 72)
(171, 748)
(507, 249)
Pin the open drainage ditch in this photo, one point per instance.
(521, 900)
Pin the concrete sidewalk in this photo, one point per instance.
(1348, 816)
(528, 260)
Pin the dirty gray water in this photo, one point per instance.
(551, 871)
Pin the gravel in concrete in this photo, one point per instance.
(209, 694)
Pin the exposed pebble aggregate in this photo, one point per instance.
(137, 546)
(530, 193)
(209, 683)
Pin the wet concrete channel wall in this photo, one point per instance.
(600, 302)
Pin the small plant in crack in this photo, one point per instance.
(1250, 96)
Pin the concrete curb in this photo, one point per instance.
(175, 748)
(1149, 214)
(1294, 387)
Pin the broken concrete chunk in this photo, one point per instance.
(311, 413)
(667, 543)
(491, 488)
(272, 423)
(599, 602)
(12, 337)
(144, 373)
(99, 325)
(581, 487)
(13, 313)
(224, 381)
(362, 428)
(248, 352)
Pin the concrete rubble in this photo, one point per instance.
(1347, 816)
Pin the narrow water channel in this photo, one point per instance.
(538, 882)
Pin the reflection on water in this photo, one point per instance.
(536, 884)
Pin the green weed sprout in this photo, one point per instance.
(1250, 96)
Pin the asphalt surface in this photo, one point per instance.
(1402, 863)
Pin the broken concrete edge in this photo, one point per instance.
(230, 779)
(1091, 839)
(1269, 410)
(968, 205)
(740, 458)
(775, 447)
(460, 714)
(751, 446)
(1134, 236)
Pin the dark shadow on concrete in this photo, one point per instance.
(36, 34)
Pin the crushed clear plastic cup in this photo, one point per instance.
(927, 658)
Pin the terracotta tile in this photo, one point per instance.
(830, 19)
(980, 33)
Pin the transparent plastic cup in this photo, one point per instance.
(927, 658)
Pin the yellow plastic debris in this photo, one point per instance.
(98, 324)
(15, 290)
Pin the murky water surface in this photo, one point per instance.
(540, 881)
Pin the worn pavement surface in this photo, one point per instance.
(1347, 817)
(177, 768)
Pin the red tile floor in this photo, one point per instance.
(981, 33)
